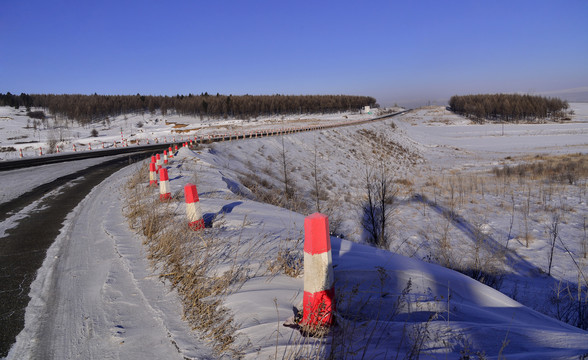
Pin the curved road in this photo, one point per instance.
(23, 247)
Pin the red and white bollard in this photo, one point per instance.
(89, 146)
(20, 153)
(193, 211)
(152, 175)
(57, 148)
(319, 280)
(164, 189)
(165, 157)
(158, 161)
(103, 144)
(153, 159)
(170, 153)
(74, 147)
(40, 151)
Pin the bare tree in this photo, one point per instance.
(553, 233)
(287, 188)
(512, 217)
(316, 184)
(585, 242)
(378, 206)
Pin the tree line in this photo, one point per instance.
(509, 107)
(90, 108)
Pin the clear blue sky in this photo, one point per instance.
(395, 51)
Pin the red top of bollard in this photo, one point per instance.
(152, 167)
(316, 234)
(153, 159)
(191, 193)
(164, 152)
(158, 156)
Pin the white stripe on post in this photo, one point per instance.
(165, 157)
(158, 161)
(319, 280)
(193, 210)
(164, 189)
(152, 175)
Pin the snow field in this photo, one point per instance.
(387, 304)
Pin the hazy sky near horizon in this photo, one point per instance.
(396, 51)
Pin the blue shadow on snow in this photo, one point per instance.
(227, 209)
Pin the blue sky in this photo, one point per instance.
(398, 52)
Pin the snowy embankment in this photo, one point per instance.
(387, 304)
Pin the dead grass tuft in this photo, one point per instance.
(558, 168)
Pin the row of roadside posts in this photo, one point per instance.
(319, 290)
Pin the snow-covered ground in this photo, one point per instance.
(389, 303)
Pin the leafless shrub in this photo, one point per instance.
(570, 303)
(290, 259)
(377, 209)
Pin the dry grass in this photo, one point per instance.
(290, 259)
(260, 183)
(382, 147)
(187, 260)
(559, 168)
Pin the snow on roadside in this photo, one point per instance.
(96, 296)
